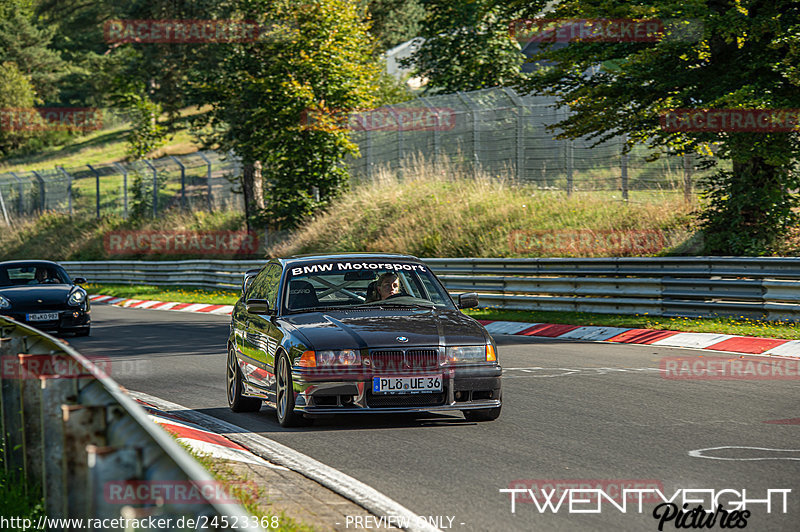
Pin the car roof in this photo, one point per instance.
(29, 262)
(299, 259)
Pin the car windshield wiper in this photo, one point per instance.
(407, 305)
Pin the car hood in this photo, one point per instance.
(376, 329)
(30, 295)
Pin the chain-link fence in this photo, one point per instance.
(197, 181)
(499, 131)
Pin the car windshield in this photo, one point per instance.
(369, 283)
(31, 274)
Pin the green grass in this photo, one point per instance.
(254, 501)
(721, 325)
(105, 145)
(14, 501)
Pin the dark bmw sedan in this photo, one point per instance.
(363, 333)
(41, 294)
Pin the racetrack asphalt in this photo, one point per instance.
(593, 413)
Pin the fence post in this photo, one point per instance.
(570, 148)
(42, 191)
(82, 425)
(624, 167)
(69, 187)
(96, 190)
(474, 115)
(183, 180)
(3, 205)
(155, 187)
(437, 125)
(31, 404)
(687, 178)
(124, 188)
(55, 393)
(11, 411)
(519, 106)
(21, 190)
(208, 178)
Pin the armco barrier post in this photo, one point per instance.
(83, 425)
(110, 464)
(31, 403)
(55, 393)
(13, 439)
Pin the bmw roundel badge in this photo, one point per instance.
(402, 339)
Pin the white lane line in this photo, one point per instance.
(699, 453)
(333, 479)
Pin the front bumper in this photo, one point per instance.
(70, 320)
(350, 392)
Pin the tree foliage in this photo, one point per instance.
(394, 21)
(466, 46)
(719, 54)
(318, 59)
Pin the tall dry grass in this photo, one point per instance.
(449, 212)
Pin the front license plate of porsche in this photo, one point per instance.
(43, 316)
(407, 384)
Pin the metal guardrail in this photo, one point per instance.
(71, 433)
(661, 286)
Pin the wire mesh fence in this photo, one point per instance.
(499, 131)
(198, 181)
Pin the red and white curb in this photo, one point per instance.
(204, 308)
(743, 345)
(204, 441)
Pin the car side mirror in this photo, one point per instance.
(249, 275)
(257, 306)
(80, 280)
(468, 300)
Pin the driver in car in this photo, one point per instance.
(387, 285)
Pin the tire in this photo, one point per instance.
(284, 395)
(484, 414)
(233, 386)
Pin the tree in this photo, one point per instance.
(717, 54)
(26, 44)
(394, 21)
(467, 46)
(317, 59)
(16, 96)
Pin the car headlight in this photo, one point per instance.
(343, 357)
(470, 353)
(76, 298)
(4, 303)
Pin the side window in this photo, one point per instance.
(260, 289)
(272, 284)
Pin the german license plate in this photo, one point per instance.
(424, 384)
(43, 316)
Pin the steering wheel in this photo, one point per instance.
(396, 295)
